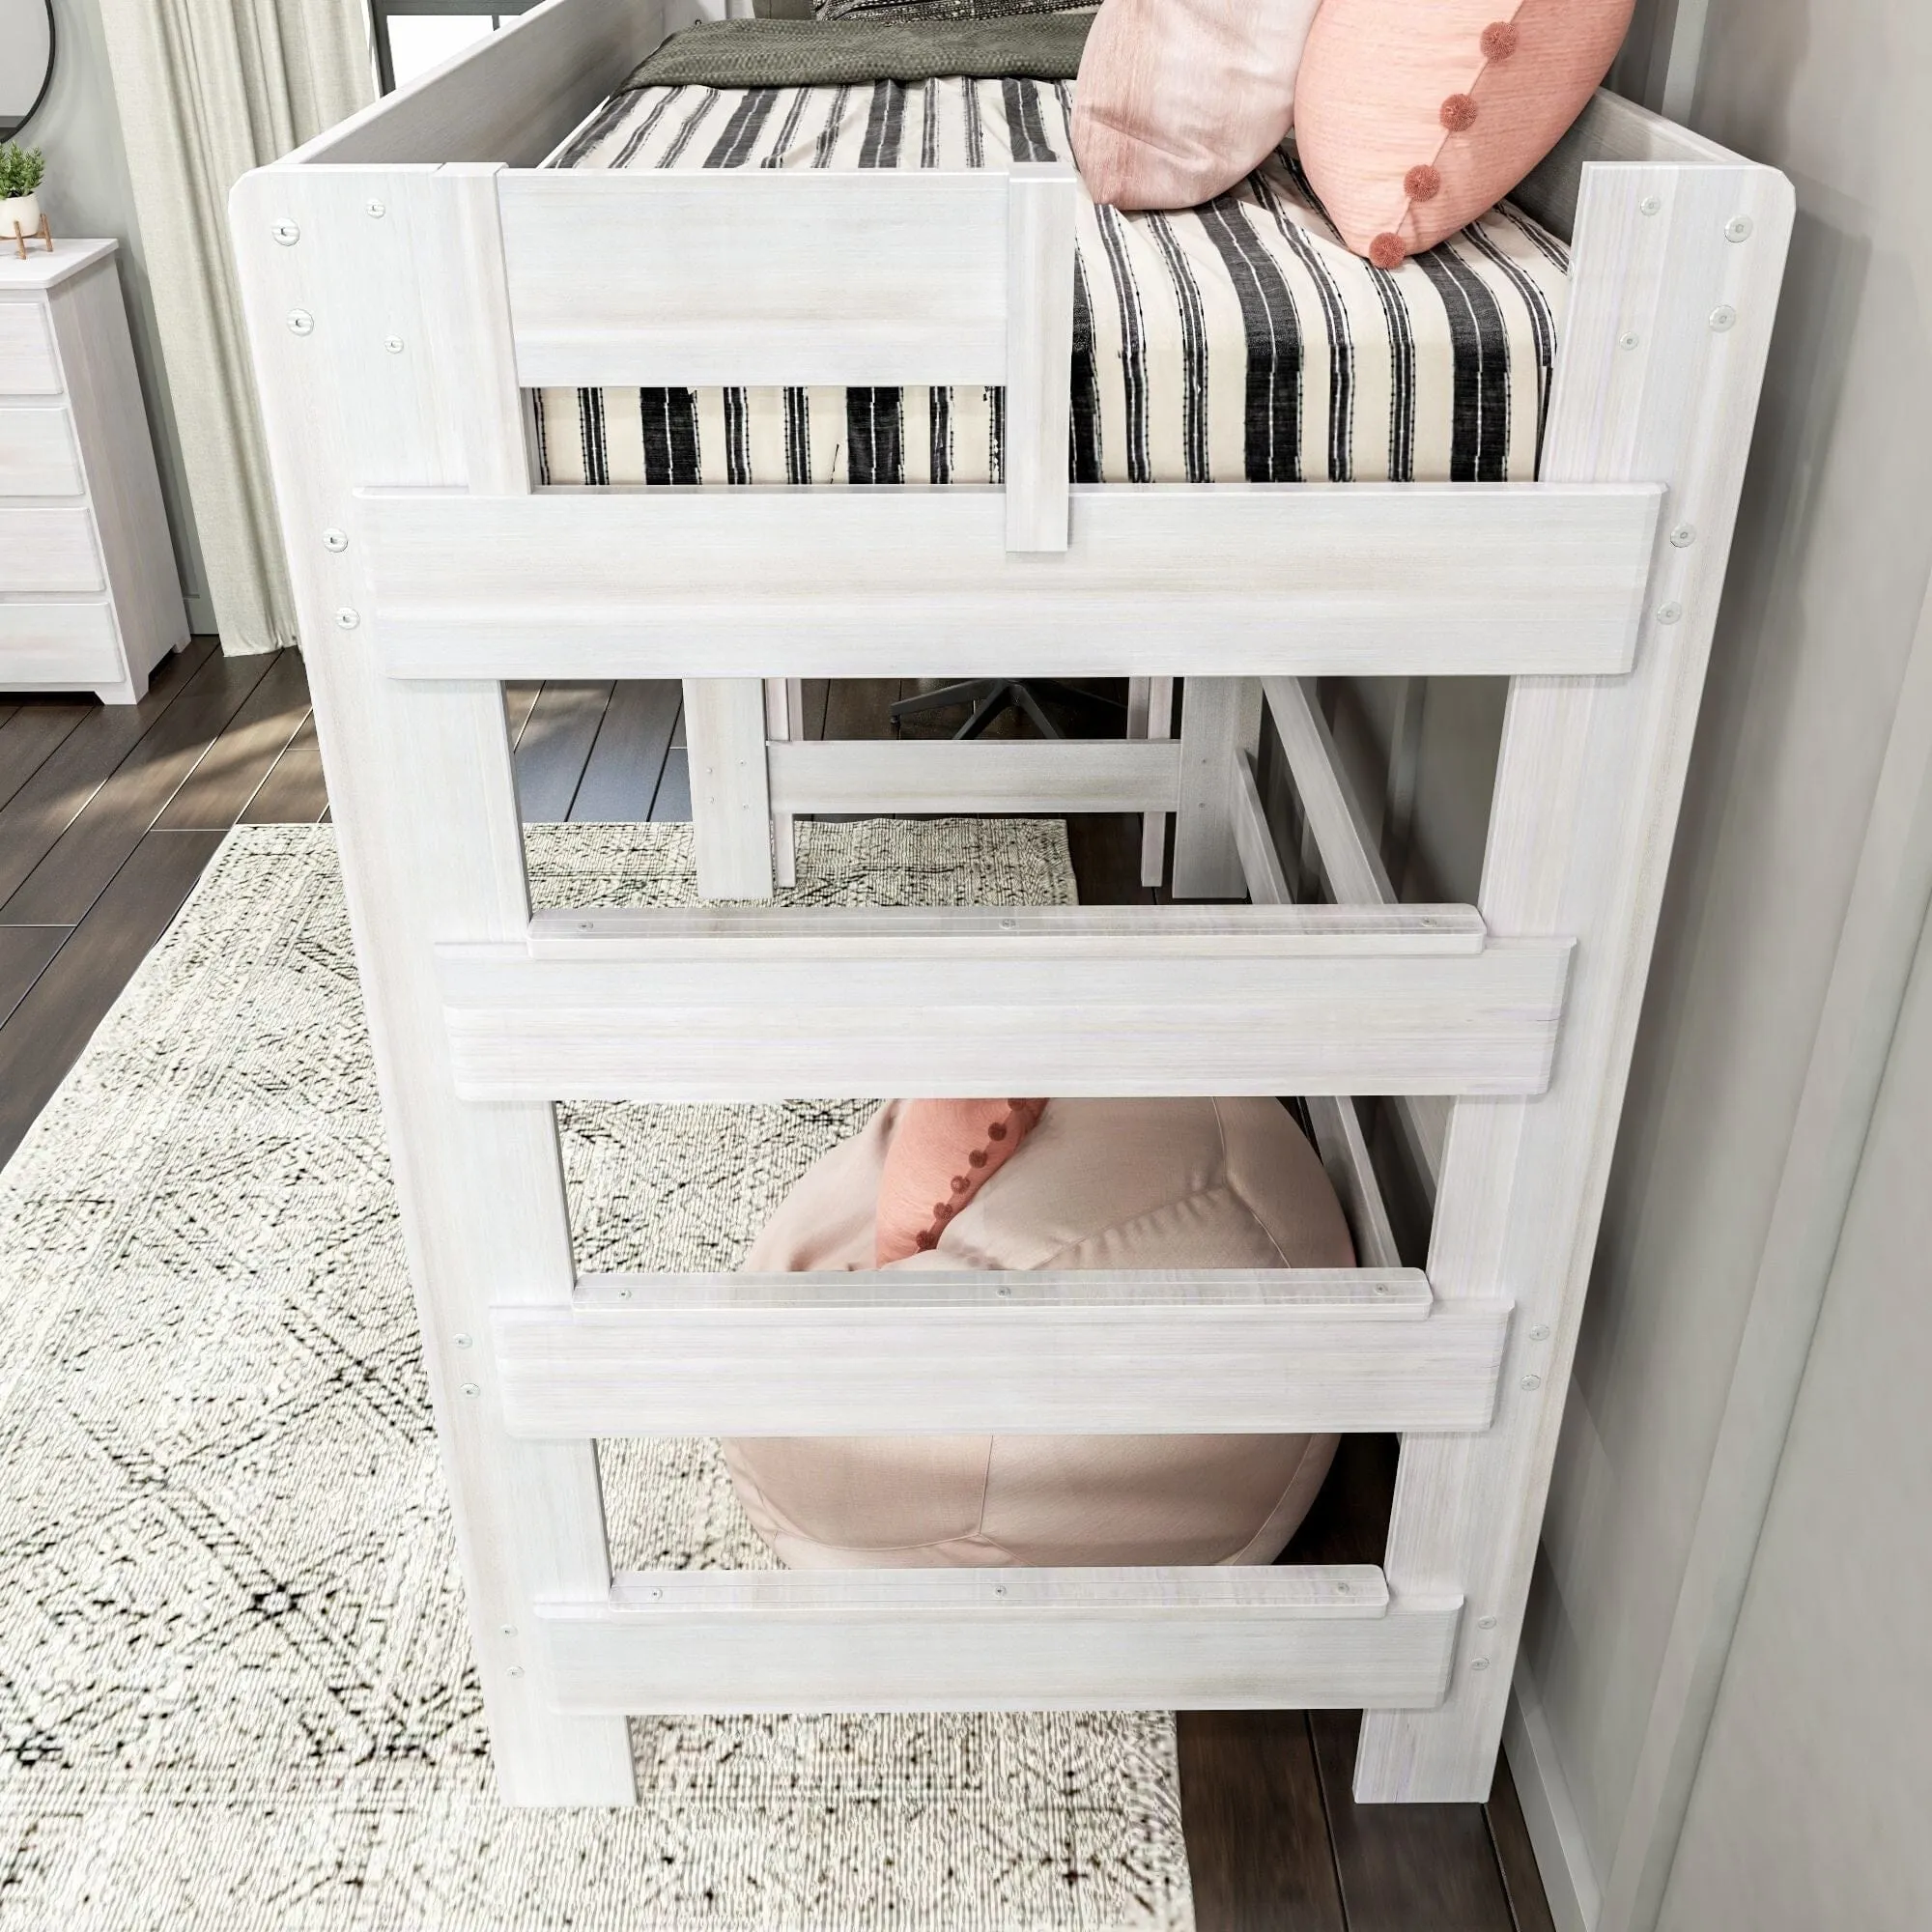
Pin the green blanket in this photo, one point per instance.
(829, 53)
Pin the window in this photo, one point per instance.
(414, 36)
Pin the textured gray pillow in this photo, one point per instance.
(946, 10)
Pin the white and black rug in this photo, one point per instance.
(234, 1683)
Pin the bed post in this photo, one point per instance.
(379, 319)
(1674, 285)
(1220, 721)
(730, 786)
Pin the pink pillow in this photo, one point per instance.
(943, 1153)
(1178, 99)
(1413, 117)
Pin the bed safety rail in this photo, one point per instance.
(405, 277)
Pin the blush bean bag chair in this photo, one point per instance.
(1099, 1183)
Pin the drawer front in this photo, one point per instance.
(72, 646)
(38, 457)
(28, 365)
(43, 550)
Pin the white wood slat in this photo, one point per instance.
(1254, 839)
(759, 1020)
(1012, 1639)
(1335, 817)
(1157, 704)
(767, 276)
(1232, 578)
(1344, 1154)
(1042, 203)
(983, 775)
(1354, 872)
(919, 1352)
(425, 810)
(859, 934)
(1588, 784)
(509, 97)
(731, 801)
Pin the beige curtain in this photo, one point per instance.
(208, 89)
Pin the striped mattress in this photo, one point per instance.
(1238, 341)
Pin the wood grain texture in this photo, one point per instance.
(784, 1022)
(93, 847)
(1258, 1846)
(25, 951)
(766, 277)
(232, 769)
(1405, 1866)
(293, 791)
(423, 796)
(1226, 1637)
(31, 735)
(1261, 578)
(511, 97)
(986, 775)
(730, 795)
(1587, 789)
(555, 748)
(622, 778)
(654, 1356)
(1042, 200)
(44, 1036)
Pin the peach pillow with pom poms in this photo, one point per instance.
(942, 1154)
(1413, 117)
(1178, 99)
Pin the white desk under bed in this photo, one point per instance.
(408, 280)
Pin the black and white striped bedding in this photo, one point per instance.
(1238, 341)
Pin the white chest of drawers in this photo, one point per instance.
(90, 599)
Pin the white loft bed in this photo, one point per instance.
(407, 277)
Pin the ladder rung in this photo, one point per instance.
(1213, 1352)
(1232, 1637)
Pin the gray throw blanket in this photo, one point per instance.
(830, 53)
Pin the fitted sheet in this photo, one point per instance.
(1238, 341)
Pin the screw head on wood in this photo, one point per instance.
(656, 1595)
(1670, 614)
(1723, 316)
(1486, 1623)
(1738, 228)
(286, 233)
(1682, 536)
(1532, 1382)
(1540, 1333)
(394, 344)
(516, 1670)
(376, 210)
(471, 1388)
(347, 618)
(466, 1341)
(300, 322)
(1629, 339)
(1650, 205)
(336, 540)
(1479, 1664)
(508, 1629)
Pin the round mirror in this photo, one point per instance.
(26, 61)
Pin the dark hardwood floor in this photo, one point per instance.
(107, 816)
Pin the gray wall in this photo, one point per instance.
(1811, 1802)
(88, 193)
(1825, 589)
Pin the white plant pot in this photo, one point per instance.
(23, 211)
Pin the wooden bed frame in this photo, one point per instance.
(407, 278)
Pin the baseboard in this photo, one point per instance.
(1555, 1831)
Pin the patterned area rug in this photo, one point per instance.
(234, 1685)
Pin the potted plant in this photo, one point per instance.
(22, 170)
